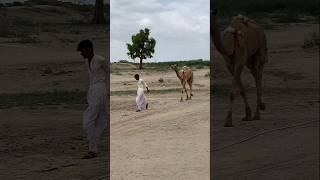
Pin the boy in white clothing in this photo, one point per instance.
(141, 99)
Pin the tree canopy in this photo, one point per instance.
(142, 46)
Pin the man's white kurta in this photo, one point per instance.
(141, 99)
(94, 117)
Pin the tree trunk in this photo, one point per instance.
(140, 66)
(98, 17)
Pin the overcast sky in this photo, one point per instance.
(180, 27)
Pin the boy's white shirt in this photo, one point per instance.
(142, 84)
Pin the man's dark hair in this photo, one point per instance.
(136, 76)
(85, 44)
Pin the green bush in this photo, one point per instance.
(123, 61)
(163, 66)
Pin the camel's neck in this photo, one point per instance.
(177, 72)
(216, 36)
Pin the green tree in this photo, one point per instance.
(142, 46)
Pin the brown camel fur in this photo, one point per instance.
(185, 75)
(243, 43)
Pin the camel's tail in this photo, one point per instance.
(266, 59)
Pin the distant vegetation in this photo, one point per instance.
(21, 30)
(278, 11)
(79, 7)
(193, 64)
(162, 66)
(55, 97)
(16, 27)
(233, 7)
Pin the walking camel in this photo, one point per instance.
(185, 75)
(241, 44)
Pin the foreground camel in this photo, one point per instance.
(241, 44)
(185, 75)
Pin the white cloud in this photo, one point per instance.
(181, 27)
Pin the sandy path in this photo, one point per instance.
(46, 143)
(168, 141)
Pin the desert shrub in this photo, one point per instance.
(207, 74)
(123, 61)
(161, 80)
(313, 40)
(199, 67)
(115, 70)
(18, 29)
(23, 38)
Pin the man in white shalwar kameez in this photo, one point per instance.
(94, 117)
(141, 99)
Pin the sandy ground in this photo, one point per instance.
(170, 140)
(46, 141)
(285, 143)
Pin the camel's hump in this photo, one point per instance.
(243, 19)
(185, 67)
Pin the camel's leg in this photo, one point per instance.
(182, 89)
(244, 96)
(185, 89)
(190, 85)
(261, 103)
(257, 73)
(181, 99)
(247, 106)
(236, 71)
(228, 122)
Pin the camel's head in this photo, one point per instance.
(213, 11)
(174, 66)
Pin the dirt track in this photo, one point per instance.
(45, 141)
(168, 141)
